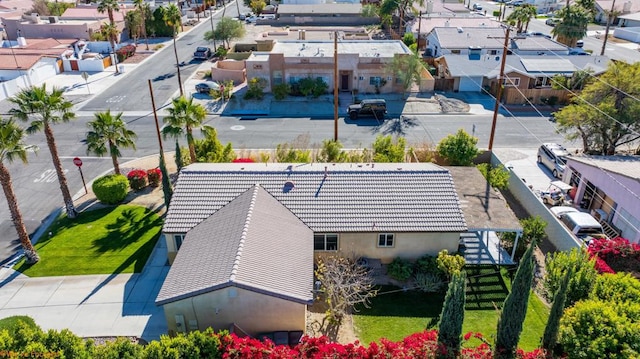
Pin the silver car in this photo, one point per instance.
(553, 156)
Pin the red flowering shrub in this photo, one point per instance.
(615, 255)
(125, 52)
(137, 179)
(155, 176)
(418, 345)
(243, 160)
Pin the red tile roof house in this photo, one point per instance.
(242, 237)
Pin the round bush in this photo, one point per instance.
(111, 189)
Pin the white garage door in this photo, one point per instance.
(470, 84)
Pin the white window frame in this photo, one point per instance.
(326, 248)
(511, 81)
(386, 240)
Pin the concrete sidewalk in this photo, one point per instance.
(96, 305)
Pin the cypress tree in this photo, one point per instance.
(514, 309)
(452, 316)
(557, 309)
(166, 183)
(179, 163)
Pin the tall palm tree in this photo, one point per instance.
(573, 26)
(173, 18)
(12, 146)
(185, 114)
(109, 6)
(522, 16)
(109, 133)
(142, 7)
(43, 109)
(110, 32)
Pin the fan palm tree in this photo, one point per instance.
(109, 133)
(573, 26)
(142, 7)
(184, 114)
(44, 109)
(522, 16)
(173, 18)
(12, 146)
(109, 6)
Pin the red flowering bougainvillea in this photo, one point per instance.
(155, 176)
(418, 345)
(615, 255)
(137, 179)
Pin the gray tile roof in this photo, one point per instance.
(628, 166)
(244, 245)
(484, 37)
(406, 197)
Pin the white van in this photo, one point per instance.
(583, 225)
(267, 17)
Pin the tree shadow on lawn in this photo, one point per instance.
(393, 301)
(128, 228)
(486, 288)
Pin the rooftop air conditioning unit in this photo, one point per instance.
(53, 19)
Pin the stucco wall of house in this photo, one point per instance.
(410, 245)
(252, 312)
(618, 187)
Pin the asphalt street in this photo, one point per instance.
(132, 91)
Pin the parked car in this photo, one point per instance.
(515, 3)
(579, 43)
(202, 53)
(558, 211)
(477, 7)
(374, 107)
(583, 225)
(206, 87)
(534, 33)
(578, 51)
(553, 156)
(251, 19)
(552, 21)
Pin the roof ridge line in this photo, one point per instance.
(243, 236)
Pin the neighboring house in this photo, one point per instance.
(247, 268)
(629, 28)
(34, 26)
(421, 27)
(28, 62)
(485, 40)
(621, 8)
(338, 14)
(362, 65)
(527, 78)
(630, 20)
(609, 187)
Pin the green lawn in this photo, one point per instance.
(104, 241)
(397, 314)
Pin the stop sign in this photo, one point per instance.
(77, 161)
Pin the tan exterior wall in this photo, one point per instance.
(229, 70)
(406, 245)
(252, 312)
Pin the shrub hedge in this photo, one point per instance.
(111, 189)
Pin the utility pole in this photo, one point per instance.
(213, 32)
(419, 25)
(166, 184)
(335, 86)
(606, 31)
(500, 85)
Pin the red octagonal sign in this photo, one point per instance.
(77, 161)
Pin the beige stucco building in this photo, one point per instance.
(362, 64)
(242, 236)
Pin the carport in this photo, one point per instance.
(487, 214)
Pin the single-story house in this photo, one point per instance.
(361, 64)
(422, 26)
(620, 8)
(527, 77)
(630, 20)
(609, 187)
(242, 237)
